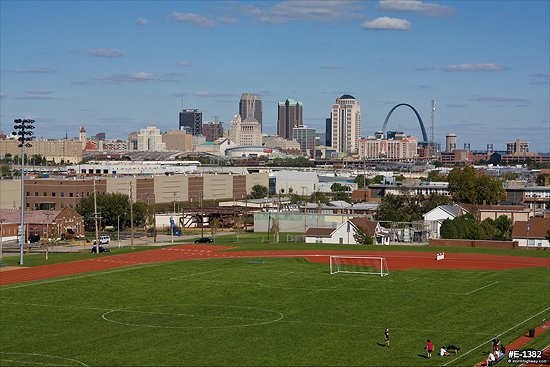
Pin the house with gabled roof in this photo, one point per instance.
(437, 215)
(532, 233)
(345, 232)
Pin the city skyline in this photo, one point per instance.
(117, 68)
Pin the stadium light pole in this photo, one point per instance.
(24, 130)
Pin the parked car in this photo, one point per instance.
(204, 240)
(103, 240)
(33, 238)
(101, 249)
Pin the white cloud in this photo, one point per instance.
(474, 67)
(498, 99)
(34, 71)
(416, 6)
(387, 23)
(104, 52)
(331, 67)
(192, 18)
(209, 94)
(299, 10)
(142, 21)
(184, 63)
(229, 20)
(37, 94)
(140, 76)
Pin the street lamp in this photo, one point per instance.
(24, 130)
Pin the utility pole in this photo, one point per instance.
(95, 220)
(131, 216)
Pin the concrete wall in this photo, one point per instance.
(256, 179)
(472, 243)
(121, 185)
(296, 222)
(170, 188)
(218, 187)
(10, 194)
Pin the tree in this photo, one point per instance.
(362, 182)
(275, 228)
(434, 176)
(214, 225)
(506, 176)
(259, 192)
(338, 187)
(110, 206)
(362, 237)
(5, 170)
(462, 227)
(318, 196)
(377, 179)
(467, 187)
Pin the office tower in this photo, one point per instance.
(328, 132)
(245, 132)
(191, 121)
(212, 130)
(305, 136)
(346, 124)
(150, 140)
(250, 105)
(450, 142)
(290, 117)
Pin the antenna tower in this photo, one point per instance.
(432, 125)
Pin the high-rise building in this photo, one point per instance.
(328, 132)
(191, 121)
(150, 140)
(245, 132)
(250, 105)
(290, 117)
(405, 148)
(305, 136)
(346, 124)
(212, 130)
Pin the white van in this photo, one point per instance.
(103, 240)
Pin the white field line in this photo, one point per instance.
(96, 273)
(480, 288)
(332, 324)
(411, 280)
(41, 355)
(498, 335)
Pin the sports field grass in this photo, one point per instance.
(270, 312)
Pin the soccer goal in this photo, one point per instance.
(359, 265)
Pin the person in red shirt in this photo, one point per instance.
(429, 348)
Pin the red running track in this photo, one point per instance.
(396, 260)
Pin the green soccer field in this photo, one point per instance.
(270, 312)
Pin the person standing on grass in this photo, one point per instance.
(496, 342)
(429, 348)
(387, 337)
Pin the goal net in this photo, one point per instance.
(359, 265)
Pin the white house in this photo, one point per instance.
(344, 233)
(437, 215)
(533, 233)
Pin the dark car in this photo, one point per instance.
(204, 240)
(101, 249)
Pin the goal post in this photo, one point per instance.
(368, 265)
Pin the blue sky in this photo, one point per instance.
(116, 67)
